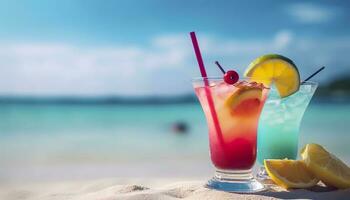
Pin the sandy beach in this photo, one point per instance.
(167, 189)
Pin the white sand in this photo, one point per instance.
(109, 189)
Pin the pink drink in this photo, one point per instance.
(238, 109)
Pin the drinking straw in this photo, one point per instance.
(312, 75)
(206, 83)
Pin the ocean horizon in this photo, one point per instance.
(134, 100)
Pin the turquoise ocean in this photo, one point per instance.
(54, 141)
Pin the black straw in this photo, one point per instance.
(312, 75)
(222, 69)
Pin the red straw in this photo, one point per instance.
(198, 54)
(206, 83)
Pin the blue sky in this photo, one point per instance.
(134, 47)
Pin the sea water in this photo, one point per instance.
(94, 141)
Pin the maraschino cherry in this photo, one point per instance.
(230, 77)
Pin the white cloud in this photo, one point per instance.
(164, 67)
(283, 39)
(312, 13)
(56, 69)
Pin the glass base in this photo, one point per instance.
(262, 174)
(239, 181)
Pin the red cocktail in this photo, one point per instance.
(232, 110)
(232, 124)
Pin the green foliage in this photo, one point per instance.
(338, 87)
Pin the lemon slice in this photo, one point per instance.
(290, 173)
(325, 166)
(245, 101)
(277, 69)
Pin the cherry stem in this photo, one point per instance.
(222, 69)
(312, 75)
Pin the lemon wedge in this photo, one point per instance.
(290, 173)
(325, 166)
(277, 69)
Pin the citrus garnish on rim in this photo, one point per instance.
(276, 69)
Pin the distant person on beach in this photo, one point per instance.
(180, 127)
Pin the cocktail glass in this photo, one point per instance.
(232, 113)
(279, 125)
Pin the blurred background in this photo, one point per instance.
(98, 89)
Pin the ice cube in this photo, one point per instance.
(297, 99)
(222, 90)
(305, 88)
(273, 102)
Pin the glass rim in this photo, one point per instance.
(217, 78)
